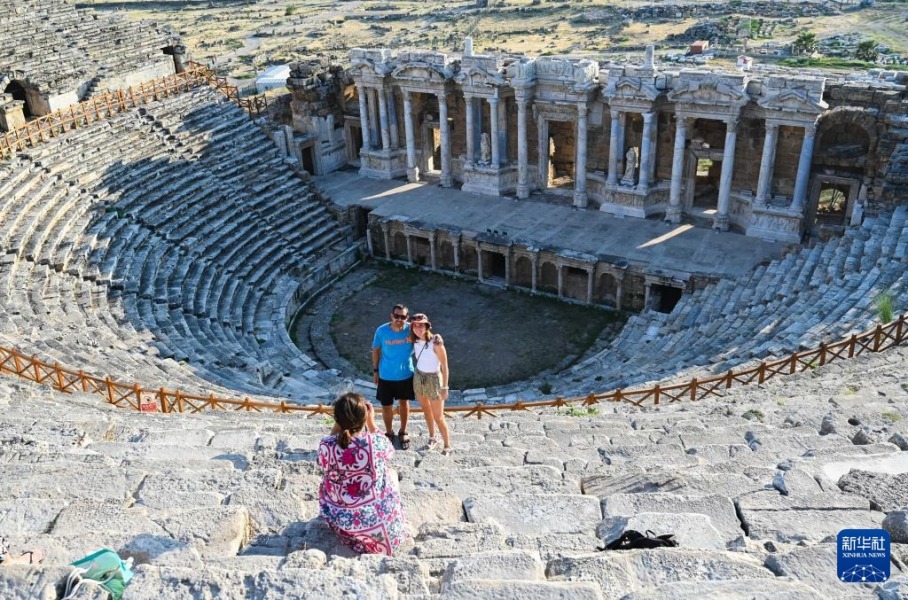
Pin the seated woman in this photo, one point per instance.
(358, 496)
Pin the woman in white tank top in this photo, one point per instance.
(430, 379)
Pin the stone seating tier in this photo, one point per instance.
(818, 294)
(59, 47)
(182, 247)
(755, 486)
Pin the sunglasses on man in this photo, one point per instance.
(399, 317)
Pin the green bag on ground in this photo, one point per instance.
(104, 569)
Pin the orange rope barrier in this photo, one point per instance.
(881, 337)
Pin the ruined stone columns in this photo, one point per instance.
(369, 246)
(523, 188)
(613, 150)
(471, 129)
(507, 267)
(446, 178)
(720, 221)
(375, 132)
(580, 198)
(383, 119)
(409, 249)
(673, 213)
(392, 119)
(622, 124)
(387, 235)
(493, 133)
(432, 252)
(618, 291)
(479, 263)
(589, 284)
(412, 169)
(646, 152)
(364, 117)
(803, 177)
(560, 270)
(534, 265)
(767, 162)
(455, 243)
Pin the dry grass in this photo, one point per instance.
(281, 30)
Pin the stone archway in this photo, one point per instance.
(18, 91)
(523, 272)
(548, 278)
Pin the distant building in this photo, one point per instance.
(272, 78)
(698, 47)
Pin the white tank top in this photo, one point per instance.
(427, 361)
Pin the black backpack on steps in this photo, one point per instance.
(632, 540)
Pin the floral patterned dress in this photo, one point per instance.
(358, 497)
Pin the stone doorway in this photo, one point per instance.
(308, 162)
(560, 171)
(665, 297)
(832, 201)
(17, 90)
(431, 140)
(704, 170)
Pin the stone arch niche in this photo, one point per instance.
(844, 159)
(548, 278)
(607, 289)
(523, 272)
(399, 246)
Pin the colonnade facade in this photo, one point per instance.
(628, 140)
(495, 260)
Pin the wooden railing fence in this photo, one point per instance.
(107, 105)
(143, 399)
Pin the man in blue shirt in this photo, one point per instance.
(392, 371)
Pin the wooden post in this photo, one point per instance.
(162, 400)
(762, 372)
(61, 385)
(877, 333)
(110, 390)
(851, 343)
(729, 379)
(793, 366)
(822, 353)
(656, 391)
(693, 389)
(83, 380)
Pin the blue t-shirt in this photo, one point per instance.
(396, 353)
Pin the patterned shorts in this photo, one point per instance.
(427, 385)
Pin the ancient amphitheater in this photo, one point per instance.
(157, 242)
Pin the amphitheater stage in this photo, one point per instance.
(651, 244)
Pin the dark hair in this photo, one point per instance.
(350, 416)
(402, 307)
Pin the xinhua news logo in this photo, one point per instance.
(863, 555)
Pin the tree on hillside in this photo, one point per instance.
(867, 51)
(806, 43)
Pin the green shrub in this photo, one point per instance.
(884, 307)
(545, 387)
(754, 415)
(892, 416)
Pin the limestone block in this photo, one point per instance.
(462, 539)
(463, 483)
(245, 440)
(691, 530)
(22, 582)
(177, 437)
(552, 545)
(52, 482)
(410, 574)
(110, 518)
(720, 510)
(425, 506)
(541, 457)
(170, 583)
(812, 565)
(743, 589)
(28, 516)
(535, 514)
(896, 523)
(305, 559)
(504, 457)
(621, 572)
(885, 492)
(519, 565)
(211, 531)
(811, 518)
(795, 481)
(834, 467)
(274, 511)
(528, 590)
(648, 457)
(319, 536)
(160, 551)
